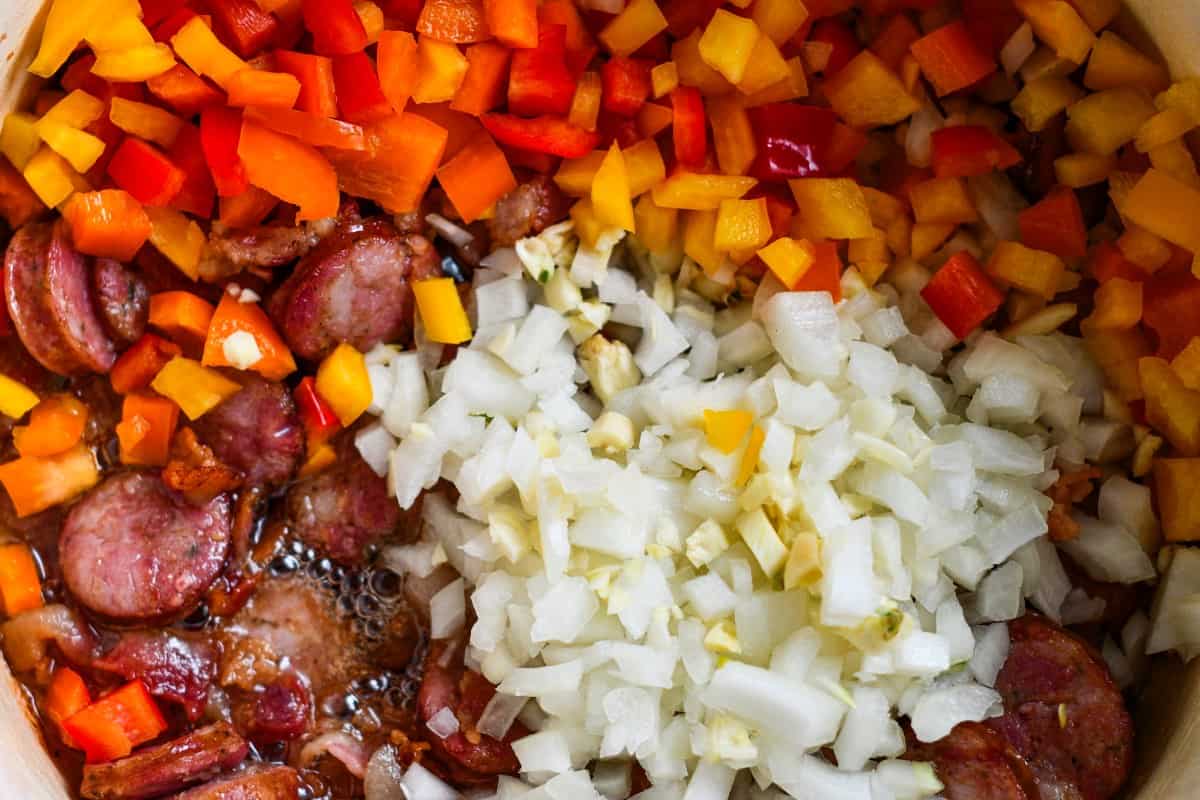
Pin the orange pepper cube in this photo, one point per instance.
(1118, 305)
(832, 208)
(441, 68)
(20, 583)
(612, 199)
(699, 236)
(1165, 206)
(1187, 364)
(476, 177)
(1102, 122)
(1033, 271)
(109, 223)
(943, 200)
(1171, 407)
(779, 19)
(1059, 25)
(699, 192)
(1175, 482)
(742, 225)
(1115, 63)
(789, 259)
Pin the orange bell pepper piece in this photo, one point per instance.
(291, 170)
(182, 316)
(56, 424)
(113, 725)
(638, 23)
(257, 87)
(233, 316)
(147, 425)
(109, 223)
(461, 129)
(482, 88)
(951, 59)
(513, 22)
(457, 21)
(396, 62)
(138, 365)
(825, 274)
(441, 69)
(1118, 305)
(612, 200)
(476, 177)
(35, 483)
(585, 104)
(342, 380)
(1164, 206)
(246, 209)
(789, 259)
(20, 583)
(310, 128)
(403, 153)
(200, 49)
(66, 694)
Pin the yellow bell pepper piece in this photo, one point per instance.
(81, 149)
(1104, 121)
(1165, 207)
(789, 259)
(926, 237)
(1117, 354)
(342, 379)
(1097, 13)
(727, 44)
(866, 94)
(1175, 482)
(194, 388)
(77, 110)
(733, 138)
(1175, 159)
(178, 238)
(1083, 169)
(123, 32)
(693, 70)
(575, 175)
(765, 68)
(19, 138)
(1059, 25)
(742, 225)
(585, 105)
(441, 67)
(749, 463)
(899, 235)
(611, 197)
(318, 460)
(145, 121)
(831, 208)
(657, 227)
(1043, 99)
(442, 311)
(869, 249)
(1044, 63)
(1115, 63)
(637, 24)
(1171, 407)
(700, 191)
(779, 19)
(1118, 305)
(699, 236)
(1162, 128)
(885, 208)
(1143, 248)
(1033, 271)
(725, 430)
(201, 50)
(587, 226)
(645, 166)
(1184, 95)
(136, 65)
(1187, 364)
(793, 87)
(50, 176)
(943, 200)
(66, 24)
(664, 78)
(16, 399)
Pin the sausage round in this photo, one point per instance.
(256, 783)
(256, 431)
(133, 550)
(972, 764)
(1064, 716)
(174, 668)
(527, 211)
(48, 291)
(122, 300)
(354, 287)
(197, 756)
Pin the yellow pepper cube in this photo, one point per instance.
(1083, 169)
(122, 32)
(1175, 159)
(1118, 305)
(765, 68)
(943, 200)
(200, 49)
(1187, 364)
(19, 139)
(1100, 123)
(742, 225)
(342, 379)
(66, 24)
(587, 226)
(789, 259)
(442, 311)
(727, 44)
(869, 249)
(725, 430)
(657, 227)
(749, 465)
(441, 67)
(1117, 354)
(1144, 248)
(885, 208)
(699, 236)
(136, 65)
(1166, 207)
(575, 175)
(611, 197)
(637, 24)
(793, 87)
(50, 176)
(1059, 25)
(77, 110)
(80, 148)
(1184, 95)
(16, 399)
(178, 238)
(733, 137)
(195, 389)
(692, 68)
(1175, 482)
(1043, 99)
(831, 208)
(1115, 63)
(700, 191)
(664, 78)
(585, 105)
(145, 121)
(1172, 408)
(926, 237)
(866, 94)
(779, 19)
(645, 166)
(1162, 128)
(1021, 267)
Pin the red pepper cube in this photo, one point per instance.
(548, 135)
(198, 192)
(951, 59)
(539, 81)
(792, 141)
(141, 169)
(1055, 224)
(318, 417)
(335, 27)
(841, 39)
(318, 94)
(689, 127)
(220, 130)
(960, 151)
(626, 85)
(360, 96)
(961, 295)
(991, 22)
(242, 25)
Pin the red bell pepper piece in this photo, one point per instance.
(538, 162)
(581, 47)
(825, 274)
(242, 25)
(113, 725)
(138, 365)
(551, 135)
(220, 129)
(689, 128)
(360, 96)
(1055, 224)
(963, 150)
(318, 417)
(335, 27)
(155, 11)
(615, 128)
(961, 295)
(883, 7)
(198, 192)
(1169, 304)
(184, 90)
(401, 14)
(951, 59)
(318, 94)
(792, 140)
(539, 81)
(837, 35)
(170, 26)
(1108, 262)
(844, 146)
(626, 85)
(991, 23)
(894, 38)
(145, 172)
(684, 16)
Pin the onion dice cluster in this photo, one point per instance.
(639, 594)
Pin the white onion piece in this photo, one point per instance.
(940, 709)
(455, 234)
(1108, 552)
(547, 751)
(448, 610)
(499, 715)
(991, 651)
(444, 723)
(420, 783)
(384, 776)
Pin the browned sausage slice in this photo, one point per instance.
(198, 756)
(256, 431)
(122, 300)
(47, 287)
(1063, 714)
(972, 764)
(256, 783)
(172, 667)
(527, 211)
(133, 550)
(354, 287)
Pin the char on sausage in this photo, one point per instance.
(154, 771)
(255, 783)
(973, 764)
(174, 668)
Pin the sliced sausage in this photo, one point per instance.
(280, 712)
(1064, 716)
(972, 763)
(133, 550)
(197, 756)
(527, 211)
(354, 287)
(266, 245)
(122, 300)
(256, 783)
(256, 431)
(174, 668)
(48, 290)
(344, 508)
